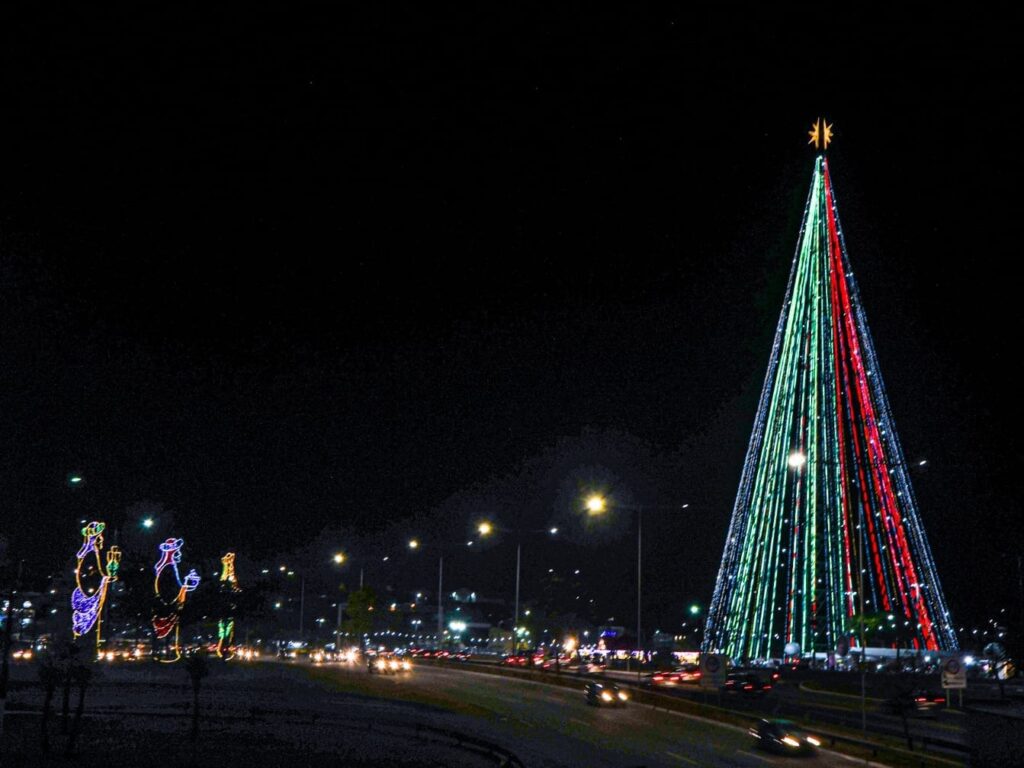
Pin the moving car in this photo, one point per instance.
(605, 695)
(745, 682)
(920, 702)
(689, 673)
(663, 679)
(387, 664)
(784, 737)
(589, 668)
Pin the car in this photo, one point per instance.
(662, 679)
(919, 702)
(460, 656)
(689, 673)
(605, 694)
(745, 682)
(387, 664)
(590, 668)
(784, 737)
(517, 661)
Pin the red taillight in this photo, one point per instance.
(658, 678)
(767, 687)
(920, 698)
(940, 699)
(748, 687)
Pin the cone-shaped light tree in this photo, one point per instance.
(825, 529)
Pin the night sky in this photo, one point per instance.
(278, 270)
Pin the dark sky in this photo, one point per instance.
(284, 269)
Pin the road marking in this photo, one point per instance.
(757, 757)
(680, 757)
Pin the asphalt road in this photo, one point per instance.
(550, 726)
(344, 711)
(790, 699)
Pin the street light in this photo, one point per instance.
(414, 543)
(485, 528)
(339, 558)
(148, 522)
(597, 504)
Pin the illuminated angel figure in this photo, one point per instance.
(168, 613)
(86, 601)
(228, 589)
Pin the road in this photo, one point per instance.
(791, 699)
(551, 726)
(299, 710)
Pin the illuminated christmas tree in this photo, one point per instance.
(825, 531)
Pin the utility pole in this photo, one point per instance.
(440, 599)
(515, 618)
(863, 645)
(639, 587)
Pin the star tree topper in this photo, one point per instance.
(820, 133)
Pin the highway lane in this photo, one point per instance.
(790, 699)
(551, 726)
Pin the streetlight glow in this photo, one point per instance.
(148, 522)
(413, 543)
(339, 558)
(596, 504)
(485, 528)
(553, 531)
(796, 459)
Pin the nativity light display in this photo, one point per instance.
(171, 593)
(93, 578)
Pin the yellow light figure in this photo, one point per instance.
(226, 625)
(87, 602)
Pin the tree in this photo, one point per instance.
(359, 612)
(196, 668)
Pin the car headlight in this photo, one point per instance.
(623, 696)
(381, 664)
(789, 740)
(406, 666)
(606, 696)
(814, 741)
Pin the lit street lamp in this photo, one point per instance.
(597, 504)
(486, 528)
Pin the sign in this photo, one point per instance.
(954, 673)
(712, 670)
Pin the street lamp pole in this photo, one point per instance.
(440, 598)
(515, 618)
(863, 645)
(639, 584)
